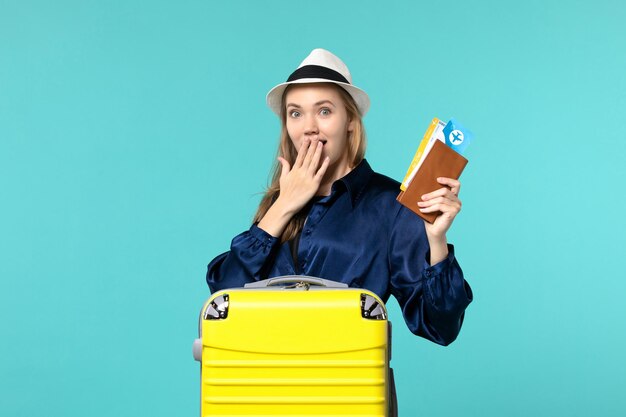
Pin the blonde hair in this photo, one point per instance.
(286, 149)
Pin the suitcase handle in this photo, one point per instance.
(295, 279)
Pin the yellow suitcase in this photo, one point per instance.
(295, 346)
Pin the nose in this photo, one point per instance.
(310, 128)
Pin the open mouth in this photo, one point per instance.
(323, 141)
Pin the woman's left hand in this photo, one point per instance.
(446, 200)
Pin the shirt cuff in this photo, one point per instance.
(262, 236)
(440, 267)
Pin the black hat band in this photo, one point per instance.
(317, 71)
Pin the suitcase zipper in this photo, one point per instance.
(299, 285)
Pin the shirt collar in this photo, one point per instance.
(355, 181)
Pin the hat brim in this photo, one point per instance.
(275, 95)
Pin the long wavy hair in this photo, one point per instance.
(286, 149)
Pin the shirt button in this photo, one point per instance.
(307, 232)
(429, 273)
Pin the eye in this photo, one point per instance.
(325, 111)
(294, 113)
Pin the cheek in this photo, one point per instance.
(338, 126)
(293, 132)
(339, 132)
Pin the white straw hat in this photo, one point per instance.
(320, 67)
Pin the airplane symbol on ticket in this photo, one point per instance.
(456, 137)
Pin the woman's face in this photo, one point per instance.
(317, 112)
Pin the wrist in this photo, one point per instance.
(436, 239)
(283, 208)
(438, 249)
(276, 218)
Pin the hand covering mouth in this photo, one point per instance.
(323, 141)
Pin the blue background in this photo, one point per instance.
(135, 140)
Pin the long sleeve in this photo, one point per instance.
(248, 260)
(433, 298)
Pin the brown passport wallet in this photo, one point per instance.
(441, 161)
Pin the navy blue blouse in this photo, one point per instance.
(360, 235)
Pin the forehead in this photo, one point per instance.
(309, 94)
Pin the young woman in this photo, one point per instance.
(328, 214)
